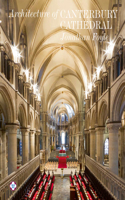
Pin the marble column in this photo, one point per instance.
(25, 145)
(92, 143)
(12, 147)
(99, 144)
(113, 129)
(32, 144)
(87, 142)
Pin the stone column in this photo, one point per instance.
(87, 142)
(123, 54)
(32, 144)
(87, 101)
(3, 150)
(37, 145)
(25, 145)
(92, 143)
(112, 70)
(77, 147)
(2, 52)
(99, 144)
(47, 150)
(12, 147)
(113, 146)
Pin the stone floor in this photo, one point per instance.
(61, 189)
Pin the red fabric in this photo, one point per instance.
(62, 161)
(34, 197)
(51, 187)
(78, 185)
(40, 184)
(42, 195)
(71, 184)
(48, 177)
(81, 196)
(44, 177)
(46, 185)
(70, 179)
(75, 177)
(50, 196)
(62, 151)
(53, 178)
(83, 185)
(89, 196)
(80, 177)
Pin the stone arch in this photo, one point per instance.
(22, 116)
(119, 103)
(6, 104)
(103, 113)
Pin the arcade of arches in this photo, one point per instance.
(57, 90)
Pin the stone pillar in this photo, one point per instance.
(92, 143)
(3, 150)
(52, 140)
(37, 145)
(122, 152)
(87, 101)
(25, 145)
(98, 88)
(112, 70)
(113, 146)
(123, 54)
(99, 144)
(2, 52)
(47, 150)
(32, 144)
(77, 147)
(87, 142)
(12, 147)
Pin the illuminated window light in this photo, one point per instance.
(86, 94)
(94, 76)
(98, 70)
(90, 87)
(16, 53)
(110, 48)
(26, 73)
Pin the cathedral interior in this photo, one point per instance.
(62, 99)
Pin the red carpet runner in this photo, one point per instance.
(62, 162)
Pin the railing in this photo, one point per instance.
(114, 184)
(19, 177)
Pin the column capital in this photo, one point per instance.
(12, 127)
(108, 63)
(86, 131)
(27, 84)
(100, 129)
(97, 82)
(38, 132)
(92, 131)
(25, 130)
(32, 132)
(114, 126)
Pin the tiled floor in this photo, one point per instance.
(61, 189)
